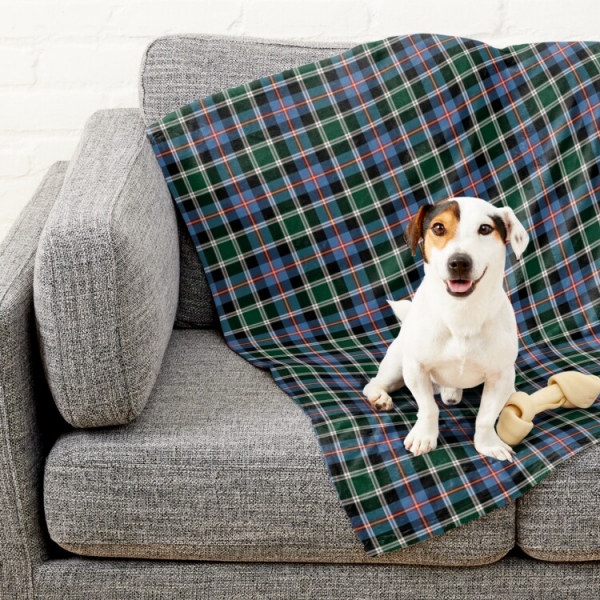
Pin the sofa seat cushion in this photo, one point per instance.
(221, 465)
(559, 520)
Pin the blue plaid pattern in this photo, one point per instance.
(296, 189)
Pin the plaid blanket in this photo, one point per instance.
(296, 189)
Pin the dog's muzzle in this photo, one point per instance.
(460, 284)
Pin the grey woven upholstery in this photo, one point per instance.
(25, 405)
(195, 308)
(559, 519)
(179, 69)
(221, 465)
(509, 579)
(107, 275)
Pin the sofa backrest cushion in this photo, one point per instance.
(179, 69)
(106, 275)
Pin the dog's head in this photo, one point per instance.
(463, 240)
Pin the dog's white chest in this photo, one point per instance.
(458, 363)
(459, 348)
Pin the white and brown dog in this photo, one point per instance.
(459, 330)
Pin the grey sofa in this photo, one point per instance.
(141, 458)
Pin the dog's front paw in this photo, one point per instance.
(381, 401)
(378, 398)
(422, 437)
(489, 444)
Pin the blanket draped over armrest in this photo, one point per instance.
(296, 189)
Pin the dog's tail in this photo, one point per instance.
(400, 308)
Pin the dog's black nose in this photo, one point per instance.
(460, 265)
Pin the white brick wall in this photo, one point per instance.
(60, 60)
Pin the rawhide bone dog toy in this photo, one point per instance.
(569, 389)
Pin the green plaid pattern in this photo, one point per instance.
(296, 189)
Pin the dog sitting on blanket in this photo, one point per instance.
(459, 330)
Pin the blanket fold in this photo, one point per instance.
(296, 189)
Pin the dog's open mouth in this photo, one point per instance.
(460, 288)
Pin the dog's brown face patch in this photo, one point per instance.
(440, 226)
(499, 228)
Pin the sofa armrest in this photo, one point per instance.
(25, 404)
(106, 279)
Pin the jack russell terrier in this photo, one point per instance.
(459, 330)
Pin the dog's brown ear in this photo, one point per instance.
(413, 234)
(516, 234)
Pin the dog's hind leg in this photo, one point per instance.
(388, 379)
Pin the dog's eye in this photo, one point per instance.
(438, 229)
(486, 229)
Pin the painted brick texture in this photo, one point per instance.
(60, 60)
